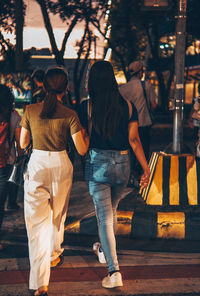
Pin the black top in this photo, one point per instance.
(120, 140)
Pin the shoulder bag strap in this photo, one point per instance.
(147, 102)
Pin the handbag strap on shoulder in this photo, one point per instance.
(145, 96)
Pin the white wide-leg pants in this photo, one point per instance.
(47, 187)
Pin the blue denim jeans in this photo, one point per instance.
(107, 173)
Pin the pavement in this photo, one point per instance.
(149, 266)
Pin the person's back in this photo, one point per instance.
(50, 134)
(48, 178)
(133, 91)
(143, 96)
(114, 127)
(119, 140)
(6, 108)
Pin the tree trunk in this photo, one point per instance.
(19, 35)
(76, 77)
(58, 56)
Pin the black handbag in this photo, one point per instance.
(20, 166)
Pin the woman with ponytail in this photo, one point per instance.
(48, 179)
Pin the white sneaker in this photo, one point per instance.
(99, 254)
(113, 281)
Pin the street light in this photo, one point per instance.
(156, 5)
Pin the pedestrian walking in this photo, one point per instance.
(142, 95)
(48, 179)
(38, 92)
(14, 151)
(9, 136)
(113, 124)
(194, 121)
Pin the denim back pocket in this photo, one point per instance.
(105, 167)
(97, 167)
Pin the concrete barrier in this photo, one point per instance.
(174, 180)
(147, 225)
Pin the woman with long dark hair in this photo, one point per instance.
(9, 136)
(48, 179)
(114, 127)
(6, 108)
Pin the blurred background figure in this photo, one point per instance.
(14, 151)
(38, 92)
(194, 118)
(144, 98)
(9, 135)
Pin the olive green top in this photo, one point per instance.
(50, 134)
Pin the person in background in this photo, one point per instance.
(143, 96)
(14, 134)
(26, 87)
(48, 179)
(38, 92)
(9, 134)
(194, 121)
(114, 127)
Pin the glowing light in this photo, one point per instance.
(108, 54)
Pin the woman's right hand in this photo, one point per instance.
(144, 181)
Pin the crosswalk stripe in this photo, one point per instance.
(80, 274)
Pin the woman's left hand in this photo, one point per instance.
(144, 181)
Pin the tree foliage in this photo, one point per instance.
(8, 25)
(193, 19)
(136, 34)
(7, 15)
(72, 13)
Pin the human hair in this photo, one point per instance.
(38, 74)
(107, 103)
(55, 82)
(199, 87)
(6, 102)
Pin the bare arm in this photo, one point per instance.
(136, 145)
(153, 104)
(25, 138)
(81, 141)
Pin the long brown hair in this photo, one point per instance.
(55, 82)
(107, 103)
